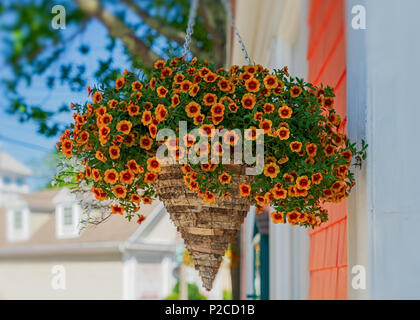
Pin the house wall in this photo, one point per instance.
(327, 66)
(85, 277)
(388, 108)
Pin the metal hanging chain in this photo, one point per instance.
(228, 9)
(190, 27)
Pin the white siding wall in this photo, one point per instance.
(383, 105)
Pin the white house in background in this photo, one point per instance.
(43, 254)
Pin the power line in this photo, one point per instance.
(24, 144)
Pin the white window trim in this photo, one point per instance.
(71, 231)
(17, 235)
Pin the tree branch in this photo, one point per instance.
(118, 29)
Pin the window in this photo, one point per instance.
(17, 220)
(17, 224)
(7, 180)
(68, 216)
(20, 182)
(67, 220)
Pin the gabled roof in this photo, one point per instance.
(41, 201)
(109, 236)
(8, 164)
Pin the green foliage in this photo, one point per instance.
(193, 293)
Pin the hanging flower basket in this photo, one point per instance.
(304, 162)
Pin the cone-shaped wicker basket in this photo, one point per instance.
(207, 228)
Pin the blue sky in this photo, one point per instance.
(38, 93)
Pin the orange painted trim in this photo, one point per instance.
(329, 268)
(323, 28)
(339, 38)
(328, 226)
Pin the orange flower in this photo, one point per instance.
(186, 86)
(153, 130)
(329, 103)
(317, 178)
(136, 198)
(209, 197)
(270, 82)
(161, 91)
(329, 150)
(295, 91)
(260, 200)
(293, 217)
(271, 170)
(217, 109)
(283, 133)
(223, 85)
(146, 118)
(246, 76)
(97, 97)
(209, 99)
(206, 130)
(126, 176)
(67, 147)
(165, 72)
(203, 72)
(103, 132)
(225, 178)
(112, 104)
(217, 119)
(152, 83)
(119, 83)
(178, 78)
(124, 126)
(175, 100)
(153, 165)
(117, 209)
(100, 156)
(288, 178)
(303, 183)
(198, 119)
(258, 116)
(285, 112)
(252, 85)
(161, 112)
(266, 125)
(210, 77)
(136, 86)
(159, 64)
(245, 190)
(268, 108)
(141, 219)
(133, 166)
(295, 146)
(99, 193)
(147, 200)
(192, 109)
(231, 137)
(248, 100)
(119, 191)
(83, 137)
(133, 110)
(114, 152)
(311, 149)
(111, 176)
(251, 133)
(194, 90)
(347, 155)
(279, 193)
(146, 142)
(277, 217)
(96, 175)
(233, 107)
(150, 177)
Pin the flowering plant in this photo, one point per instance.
(305, 155)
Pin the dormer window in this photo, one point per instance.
(17, 224)
(67, 220)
